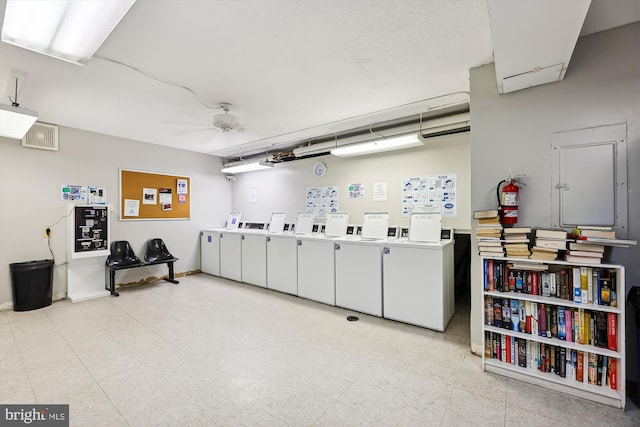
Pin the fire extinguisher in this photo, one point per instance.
(508, 200)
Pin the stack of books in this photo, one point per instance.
(580, 251)
(547, 243)
(600, 235)
(491, 248)
(489, 233)
(516, 242)
(488, 224)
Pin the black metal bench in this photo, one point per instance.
(122, 257)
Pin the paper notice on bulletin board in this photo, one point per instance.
(322, 200)
(433, 193)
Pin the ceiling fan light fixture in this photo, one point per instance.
(226, 122)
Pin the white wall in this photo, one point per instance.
(282, 189)
(512, 133)
(30, 182)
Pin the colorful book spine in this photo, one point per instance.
(577, 291)
(580, 366)
(612, 332)
(584, 285)
(569, 325)
(562, 333)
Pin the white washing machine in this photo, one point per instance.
(418, 282)
(316, 269)
(231, 254)
(210, 251)
(316, 260)
(254, 256)
(282, 262)
(358, 266)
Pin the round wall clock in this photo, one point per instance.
(319, 169)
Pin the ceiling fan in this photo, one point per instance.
(223, 122)
(226, 122)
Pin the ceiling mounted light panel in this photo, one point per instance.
(71, 30)
(246, 166)
(378, 146)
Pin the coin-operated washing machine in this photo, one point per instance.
(231, 248)
(316, 260)
(282, 255)
(418, 279)
(253, 253)
(359, 266)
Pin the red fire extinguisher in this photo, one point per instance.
(508, 200)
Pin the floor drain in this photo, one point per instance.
(353, 318)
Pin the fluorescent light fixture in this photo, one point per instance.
(15, 122)
(246, 166)
(378, 146)
(71, 30)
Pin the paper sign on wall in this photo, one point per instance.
(322, 200)
(75, 193)
(356, 191)
(434, 193)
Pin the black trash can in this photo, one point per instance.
(32, 284)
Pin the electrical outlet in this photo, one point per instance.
(44, 232)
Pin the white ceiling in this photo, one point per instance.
(292, 69)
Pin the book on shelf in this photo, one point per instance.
(560, 244)
(583, 245)
(550, 233)
(622, 243)
(591, 232)
(600, 334)
(498, 249)
(491, 213)
(492, 242)
(517, 230)
(492, 254)
(588, 254)
(582, 259)
(612, 332)
(491, 220)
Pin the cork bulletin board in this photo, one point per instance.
(154, 196)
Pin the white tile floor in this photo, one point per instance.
(214, 352)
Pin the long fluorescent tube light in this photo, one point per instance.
(15, 122)
(71, 30)
(378, 146)
(246, 167)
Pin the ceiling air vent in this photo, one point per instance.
(42, 136)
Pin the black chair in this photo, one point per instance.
(122, 255)
(157, 252)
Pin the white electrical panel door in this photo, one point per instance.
(254, 259)
(210, 252)
(282, 264)
(418, 283)
(589, 178)
(231, 256)
(316, 270)
(359, 276)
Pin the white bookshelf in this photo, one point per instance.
(598, 393)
